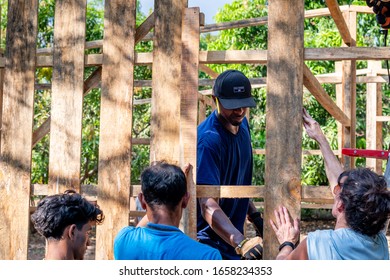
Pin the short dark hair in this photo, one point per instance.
(366, 200)
(55, 212)
(163, 184)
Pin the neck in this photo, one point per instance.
(57, 250)
(341, 221)
(232, 128)
(162, 215)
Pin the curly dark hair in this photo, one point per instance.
(55, 212)
(366, 200)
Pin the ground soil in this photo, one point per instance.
(37, 243)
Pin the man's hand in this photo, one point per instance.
(284, 228)
(312, 127)
(258, 223)
(251, 249)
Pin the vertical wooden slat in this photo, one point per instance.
(284, 114)
(202, 109)
(371, 113)
(2, 70)
(17, 123)
(340, 104)
(166, 71)
(189, 106)
(379, 134)
(115, 122)
(67, 95)
(349, 94)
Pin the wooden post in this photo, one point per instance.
(340, 104)
(116, 122)
(284, 114)
(189, 107)
(67, 95)
(349, 93)
(373, 105)
(167, 53)
(17, 123)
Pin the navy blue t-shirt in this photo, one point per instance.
(223, 158)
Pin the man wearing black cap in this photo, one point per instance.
(224, 157)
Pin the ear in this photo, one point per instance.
(185, 199)
(71, 231)
(339, 205)
(141, 199)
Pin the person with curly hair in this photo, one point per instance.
(66, 220)
(361, 208)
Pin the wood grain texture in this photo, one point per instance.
(67, 95)
(283, 114)
(166, 76)
(189, 108)
(116, 122)
(16, 128)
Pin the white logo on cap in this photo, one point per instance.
(238, 89)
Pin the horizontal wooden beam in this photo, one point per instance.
(315, 194)
(247, 56)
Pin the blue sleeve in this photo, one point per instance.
(208, 160)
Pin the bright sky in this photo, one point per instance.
(208, 7)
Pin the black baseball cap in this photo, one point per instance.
(233, 90)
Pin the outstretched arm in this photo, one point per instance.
(333, 167)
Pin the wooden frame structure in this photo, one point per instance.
(175, 61)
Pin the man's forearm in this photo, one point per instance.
(333, 166)
(220, 223)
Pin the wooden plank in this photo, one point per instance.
(340, 104)
(284, 114)
(234, 24)
(208, 71)
(309, 192)
(383, 118)
(304, 152)
(230, 191)
(116, 115)
(371, 113)
(189, 107)
(2, 71)
(67, 95)
(348, 53)
(379, 127)
(338, 18)
(16, 129)
(349, 95)
(312, 84)
(247, 56)
(167, 49)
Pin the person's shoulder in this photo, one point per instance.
(125, 231)
(320, 234)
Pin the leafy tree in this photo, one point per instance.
(319, 32)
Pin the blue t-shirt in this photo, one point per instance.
(223, 158)
(346, 244)
(160, 242)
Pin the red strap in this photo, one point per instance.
(379, 154)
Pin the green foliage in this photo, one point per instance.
(319, 33)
